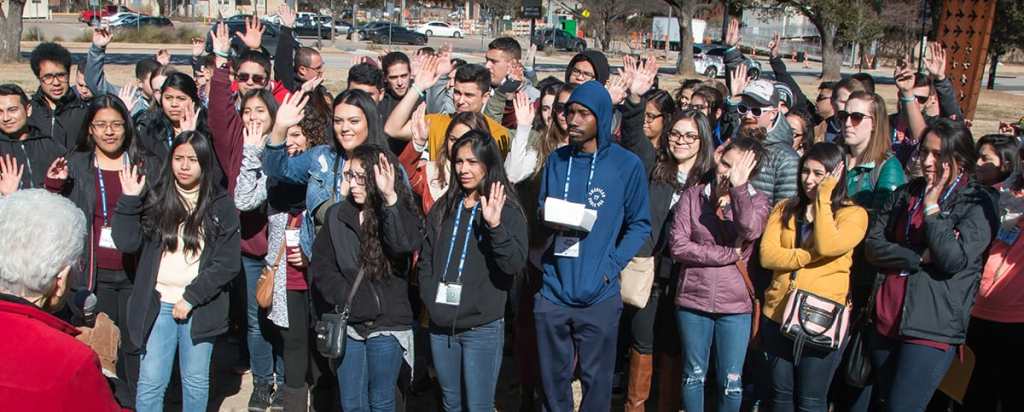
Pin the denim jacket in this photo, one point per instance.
(317, 168)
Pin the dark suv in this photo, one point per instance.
(236, 25)
(558, 39)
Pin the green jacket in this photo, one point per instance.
(869, 187)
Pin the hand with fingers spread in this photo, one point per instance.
(287, 15)
(132, 181)
(524, 110)
(311, 84)
(163, 57)
(290, 113)
(416, 64)
(253, 37)
(644, 76)
(10, 175)
(189, 118)
(740, 172)
(732, 34)
(738, 80)
(101, 37)
(617, 87)
(904, 77)
(419, 125)
(384, 176)
(491, 205)
(428, 74)
(516, 72)
(58, 170)
(221, 41)
(444, 59)
(198, 46)
(253, 135)
(128, 96)
(773, 46)
(936, 61)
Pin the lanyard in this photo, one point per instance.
(465, 242)
(170, 137)
(913, 210)
(568, 177)
(103, 188)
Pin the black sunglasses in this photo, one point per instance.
(855, 117)
(921, 100)
(256, 78)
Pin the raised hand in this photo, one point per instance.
(287, 15)
(101, 37)
(163, 57)
(384, 176)
(253, 135)
(128, 96)
(428, 74)
(524, 109)
(936, 61)
(132, 181)
(773, 46)
(58, 169)
(290, 113)
(419, 125)
(491, 205)
(738, 80)
(198, 46)
(531, 56)
(311, 84)
(643, 78)
(189, 118)
(416, 64)
(904, 77)
(220, 39)
(346, 186)
(253, 36)
(740, 172)
(10, 175)
(444, 59)
(732, 34)
(516, 71)
(617, 87)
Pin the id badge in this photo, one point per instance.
(567, 246)
(449, 294)
(291, 237)
(1008, 236)
(107, 238)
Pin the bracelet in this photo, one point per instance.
(928, 209)
(221, 54)
(907, 99)
(418, 91)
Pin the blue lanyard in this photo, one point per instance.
(170, 137)
(103, 188)
(568, 177)
(465, 242)
(910, 216)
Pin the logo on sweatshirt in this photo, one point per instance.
(596, 197)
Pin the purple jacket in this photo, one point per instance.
(704, 245)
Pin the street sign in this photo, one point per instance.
(532, 9)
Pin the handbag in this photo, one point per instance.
(332, 327)
(857, 368)
(265, 283)
(636, 281)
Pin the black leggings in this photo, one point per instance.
(112, 291)
(997, 349)
(295, 340)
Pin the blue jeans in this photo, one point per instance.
(470, 359)
(170, 335)
(906, 375)
(263, 360)
(803, 387)
(730, 334)
(368, 372)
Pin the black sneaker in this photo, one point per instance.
(261, 397)
(277, 399)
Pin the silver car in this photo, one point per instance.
(709, 60)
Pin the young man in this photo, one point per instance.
(397, 78)
(31, 149)
(759, 107)
(81, 88)
(472, 88)
(56, 109)
(96, 78)
(367, 78)
(587, 65)
(293, 64)
(579, 304)
(503, 58)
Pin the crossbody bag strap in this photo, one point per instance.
(797, 243)
(284, 243)
(352, 293)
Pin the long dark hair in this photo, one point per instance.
(472, 120)
(165, 207)
(550, 89)
(666, 168)
(108, 101)
(831, 156)
(374, 124)
(548, 141)
(372, 257)
(957, 144)
(487, 153)
(663, 101)
(183, 83)
(267, 98)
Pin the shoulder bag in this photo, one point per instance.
(636, 281)
(331, 329)
(265, 283)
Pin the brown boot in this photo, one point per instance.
(670, 383)
(639, 390)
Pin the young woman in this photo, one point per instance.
(284, 204)
(713, 232)
(803, 130)
(997, 320)
(873, 173)
(89, 178)
(811, 236)
(521, 162)
(372, 233)
(185, 231)
(473, 251)
(659, 107)
(997, 159)
(430, 179)
(179, 103)
(929, 244)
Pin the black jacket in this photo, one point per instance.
(219, 264)
(378, 305)
(492, 262)
(64, 123)
(155, 133)
(939, 295)
(35, 154)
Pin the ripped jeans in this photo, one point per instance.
(730, 334)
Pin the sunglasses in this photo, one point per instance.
(742, 109)
(921, 100)
(854, 117)
(256, 78)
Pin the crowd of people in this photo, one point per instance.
(610, 228)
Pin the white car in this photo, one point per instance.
(117, 17)
(439, 28)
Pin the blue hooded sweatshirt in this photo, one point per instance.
(618, 192)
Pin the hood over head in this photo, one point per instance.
(596, 59)
(595, 98)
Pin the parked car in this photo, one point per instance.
(558, 39)
(360, 33)
(140, 21)
(311, 25)
(439, 28)
(397, 34)
(236, 25)
(709, 59)
(118, 16)
(93, 16)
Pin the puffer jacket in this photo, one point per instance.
(777, 174)
(704, 246)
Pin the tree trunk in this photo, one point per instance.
(993, 63)
(831, 58)
(10, 31)
(684, 65)
(606, 35)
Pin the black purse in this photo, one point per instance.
(332, 328)
(857, 368)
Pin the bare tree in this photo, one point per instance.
(686, 11)
(10, 31)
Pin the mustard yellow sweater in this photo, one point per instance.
(823, 260)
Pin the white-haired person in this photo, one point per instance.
(44, 366)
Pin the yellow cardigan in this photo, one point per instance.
(823, 260)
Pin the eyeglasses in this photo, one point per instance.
(650, 117)
(256, 78)
(854, 117)
(54, 77)
(581, 74)
(318, 69)
(742, 109)
(677, 137)
(355, 178)
(103, 126)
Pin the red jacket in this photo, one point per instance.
(44, 367)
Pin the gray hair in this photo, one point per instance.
(40, 234)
